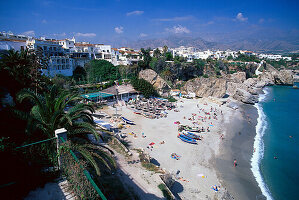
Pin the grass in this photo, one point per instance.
(146, 164)
(118, 148)
(165, 191)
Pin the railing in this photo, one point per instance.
(86, 173)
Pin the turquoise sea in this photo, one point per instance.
(275, 161)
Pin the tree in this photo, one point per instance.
(145, 87)
(102, 70)
(79, 73)
(144, 64)
(168, 56)
(49, 114)
(157, 53)
(21, 69)
(165, 49)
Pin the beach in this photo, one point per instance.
(239, 145)
(206, 164)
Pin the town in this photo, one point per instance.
(67, 54)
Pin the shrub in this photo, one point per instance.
(165, 192)
(205, 76)
(144, 87)
(171, 99)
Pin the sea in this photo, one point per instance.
(275, 161)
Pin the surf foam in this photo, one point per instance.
(258, 146)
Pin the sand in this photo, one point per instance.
(201, 166)
(238, 145)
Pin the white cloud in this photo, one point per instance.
(85, 34)
(174, 19)
(29, 33)
(143, 35)
(60, 34)
(44, 21)
(210, 22)
(178, 29)
(262, 20)
(241, 18)
(136, 12)
(119, 29)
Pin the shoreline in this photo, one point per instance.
(212, 157)
(239, 145)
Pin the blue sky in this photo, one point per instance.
(101, 20)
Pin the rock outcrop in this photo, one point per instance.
(205, 87)
(245, 97)
(238, 77)
(151, 76)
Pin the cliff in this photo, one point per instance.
(205, 87)
(235, 86)
(159, 83)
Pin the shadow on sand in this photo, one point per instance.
(137, 189)
(176, 189)
(155, 162)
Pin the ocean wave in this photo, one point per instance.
(258, 145)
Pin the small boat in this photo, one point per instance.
(191, 135)
(127, 121)
(192, 129)
(187, 139)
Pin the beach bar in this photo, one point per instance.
(96, 96)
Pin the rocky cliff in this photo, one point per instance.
(236, 85)
(205, 87)
(151, 76)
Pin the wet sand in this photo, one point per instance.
(238, 145)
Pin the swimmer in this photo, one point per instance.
(275, 158)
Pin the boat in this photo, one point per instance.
(187, 139)
(127, 121)
(191, 135)
(188, 128)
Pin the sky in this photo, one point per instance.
(100, 21)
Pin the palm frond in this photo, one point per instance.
(88, 156)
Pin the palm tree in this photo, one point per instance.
(49, 113)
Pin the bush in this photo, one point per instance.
(75, 175)
(165, 192)
(205, 76)
(144, 87)
(171, 99)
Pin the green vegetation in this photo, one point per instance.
(205, 76)
(79, 74)
(145, 87)
(101, 70)
(144, 64)
(171, 99)
(165, 191)
(247, 58)
(278, 64)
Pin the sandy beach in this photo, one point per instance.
(206, 164)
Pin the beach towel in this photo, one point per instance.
(152, 143)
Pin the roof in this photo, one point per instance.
(121, 89)
(84, 45)
(91, 96)
(13, 40)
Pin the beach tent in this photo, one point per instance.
(102, 124)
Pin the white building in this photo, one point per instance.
(103, 52)
(60, 65)
(270, 56)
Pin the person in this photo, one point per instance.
(275, 158)
(235, 163)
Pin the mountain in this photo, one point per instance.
(258, 45)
